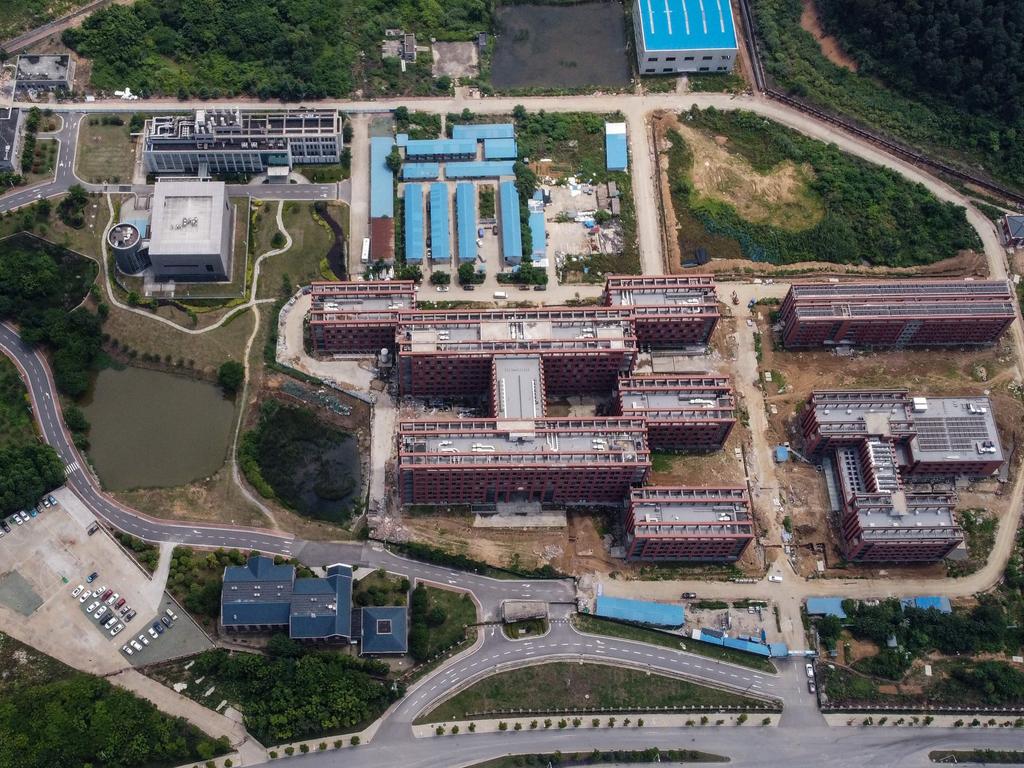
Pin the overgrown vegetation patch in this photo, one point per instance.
(437, 620)
(845, 209)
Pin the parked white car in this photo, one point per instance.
(77, 590)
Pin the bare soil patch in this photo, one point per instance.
(830, 47)
(781, 198)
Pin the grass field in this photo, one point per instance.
(597, 626)
(15, 416)
(564, 685)
(459, 611)
(105, 152)
(311, 241)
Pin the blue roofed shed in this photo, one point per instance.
(484, 131)
(384, 630)
(826, 606)
(537, 232)
(640, 611)
(440, 149)
(382, 194)
(511, 236)
(440, 227)
(414, 234)
(615, 154)
(680, 25)
(924, 603)
(480, 169)
(781, 454)
(465, 218)
(500, 149)
(420, 171)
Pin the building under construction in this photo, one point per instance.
(896, 313)
(873, 442)
(693, 524)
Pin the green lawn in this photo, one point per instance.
(566, 685)
(459, 612)
(311, 241)
(324, 174)
(105, 152)
(597, 626)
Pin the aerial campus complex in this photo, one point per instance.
(479, 430)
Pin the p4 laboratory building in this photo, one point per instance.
(674, 36)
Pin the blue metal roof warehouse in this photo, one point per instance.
(678, 25)
(640, 611)
(440, 229)
(480, 169)
(465, 217)
(421, 171)
(511, 236)
(484, 131)
(615, 155)
(414, 223)
(439, 149)
(500, 149)
(382, 194)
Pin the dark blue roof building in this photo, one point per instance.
(384, 630)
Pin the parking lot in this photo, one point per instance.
(45, 559)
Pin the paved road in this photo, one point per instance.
(26, 39)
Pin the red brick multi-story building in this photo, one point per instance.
(449, 353)
(897, 313)
(872, 442)
(556, 461)
(688, 524)
(669, 310)
(358, 317)
(683, 412)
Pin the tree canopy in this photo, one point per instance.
(289, 49)
(967, 52)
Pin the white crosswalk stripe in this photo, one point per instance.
(72, 467)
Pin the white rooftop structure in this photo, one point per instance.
(190, 230)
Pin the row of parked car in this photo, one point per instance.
(136, 645)
(24, 516)
(107, 607)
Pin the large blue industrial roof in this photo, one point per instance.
(465, 218)
(440, 215)
(536, 221)
(826, 606)
(421, 171)
(436, 147)
(382, 194)
(640, 611)
(511, 236)
(500, 149)
(384, 630)
(486, 131)
(680, 25)
(413, 223)
(480, 169)
(615, 155)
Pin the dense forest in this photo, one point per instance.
(51, 715)
(918, 106)
(969, 52)
(288, 49)
(871, 214)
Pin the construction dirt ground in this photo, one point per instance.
(954, 372)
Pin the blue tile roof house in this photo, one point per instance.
(263, 597)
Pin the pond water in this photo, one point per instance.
(153, 429)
